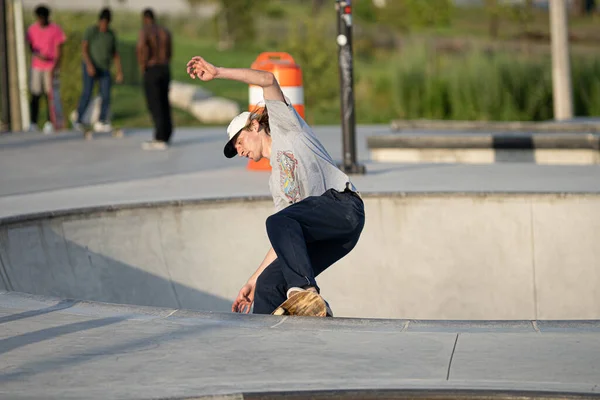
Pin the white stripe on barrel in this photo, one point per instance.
(294, 93)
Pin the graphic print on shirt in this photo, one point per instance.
(288, 179)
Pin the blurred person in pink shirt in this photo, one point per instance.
(45, 40)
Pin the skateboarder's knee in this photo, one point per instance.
(278, 222)
(272, 222)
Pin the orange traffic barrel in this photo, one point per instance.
(289, 76)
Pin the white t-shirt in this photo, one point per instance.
(301, 167)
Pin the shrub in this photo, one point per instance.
(481, 86)
(70, 72)
(318, 60)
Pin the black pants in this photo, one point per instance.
(308, 237)
(156, 87)
(34, 108)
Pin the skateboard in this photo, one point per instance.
(89, 132)
(57, 116)
(305, 304)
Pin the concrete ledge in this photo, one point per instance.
(98, 210)
(403, 394)
(521, 141)
(97, 309)
(484, 148)
(581, 126)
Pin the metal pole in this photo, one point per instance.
(561, 67)
(22, 65)
(13, 81)
(4, 91)
(344, 41)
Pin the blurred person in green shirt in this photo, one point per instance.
(99, 51)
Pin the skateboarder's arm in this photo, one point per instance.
(264, 79)
(269, 258)
(197, 67)
(245, 297)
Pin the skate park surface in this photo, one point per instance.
(119, 267)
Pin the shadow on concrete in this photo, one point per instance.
(14, 141)
(39, 261)
(28, 338)
(62, 305)
(89, 353)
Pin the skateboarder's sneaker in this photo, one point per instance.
(155, 145)
(311, 304)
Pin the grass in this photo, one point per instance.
(129, 103)
(391, 81)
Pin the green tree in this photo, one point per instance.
(406, 15)
(316, 56)
(234, 20)
(493, 10)
(521, 14)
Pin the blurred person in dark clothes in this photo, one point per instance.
(154, 55)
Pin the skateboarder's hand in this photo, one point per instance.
(200, 68)
(244, 299)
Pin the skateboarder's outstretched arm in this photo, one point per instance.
(199, 68)
(245, 297)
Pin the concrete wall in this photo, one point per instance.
(420, 256)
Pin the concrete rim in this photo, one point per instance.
(90, 210)
(400, 394)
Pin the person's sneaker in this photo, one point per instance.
(33, 128)
(295, 290)
(155, 145)
(100, 126)
(78, 126)
(48, 128)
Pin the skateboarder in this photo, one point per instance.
(319, 213)
(45, 41)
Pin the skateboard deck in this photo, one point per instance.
(303, 303)
(57, 116)
(89, 133)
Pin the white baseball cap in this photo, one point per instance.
(235, 126)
